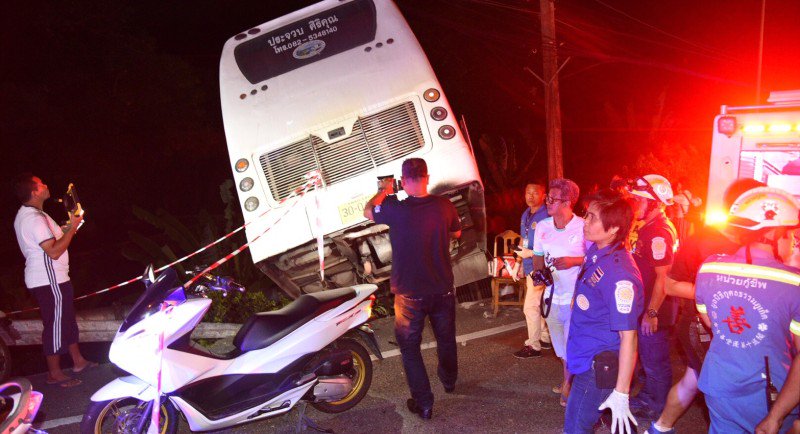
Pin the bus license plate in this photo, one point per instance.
(353, 211)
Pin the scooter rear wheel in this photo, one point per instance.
(361, 375)
(122, 416)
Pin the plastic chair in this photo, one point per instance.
(504, 245)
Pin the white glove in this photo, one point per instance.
(620, 412)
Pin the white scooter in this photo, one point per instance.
(306, 351)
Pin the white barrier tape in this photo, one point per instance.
(312, 179)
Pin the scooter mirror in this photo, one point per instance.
(149, 276)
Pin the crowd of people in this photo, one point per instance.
(624, 283)
(604, 291)
(613, 288)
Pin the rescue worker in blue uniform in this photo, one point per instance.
(751, 302)
(608, 301)
(656, 241)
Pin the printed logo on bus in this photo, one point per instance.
(309, 49)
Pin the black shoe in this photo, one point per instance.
(546, 345)
(450, 389)
(424, 413)
(527, 352)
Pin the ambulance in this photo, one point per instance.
(760, 142)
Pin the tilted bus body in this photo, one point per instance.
(342, 87)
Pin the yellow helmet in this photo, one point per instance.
(653, 187)
(764, 207)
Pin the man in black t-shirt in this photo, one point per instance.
(656, 242)
(693, 337)
(420, 229)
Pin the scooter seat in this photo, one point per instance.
(265, 328)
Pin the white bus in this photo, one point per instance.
(758, 142)
(343, 87)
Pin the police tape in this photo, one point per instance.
(313, 179)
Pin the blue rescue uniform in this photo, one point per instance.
(754, 309)
(527, 227)
(608, 299)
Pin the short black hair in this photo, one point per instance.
(538, 182)
(615, 211)
(24, 186)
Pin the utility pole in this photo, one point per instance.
(555, 158)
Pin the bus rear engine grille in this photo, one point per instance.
(375, 140)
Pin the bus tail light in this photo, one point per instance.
(447, 132)
(251, 203)
(242, 164)
(438, 113)
(432, 95)
(727, 125)
(246, 184)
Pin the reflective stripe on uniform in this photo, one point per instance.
(702, 308)
(748, 270)
(794, 327)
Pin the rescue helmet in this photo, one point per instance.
(653, 187)
(764, 207)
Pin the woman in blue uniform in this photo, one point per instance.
(602, 343)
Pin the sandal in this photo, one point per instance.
(85, 367)
(563, 400)
(69, 382)
(556, 389)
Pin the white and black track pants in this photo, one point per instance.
(58, 314)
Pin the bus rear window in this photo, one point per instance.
(306, 41)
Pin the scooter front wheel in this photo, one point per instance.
(123, 415)
(360, 375)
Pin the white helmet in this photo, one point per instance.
(653, 187)
(764, 207)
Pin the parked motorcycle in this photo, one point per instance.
(308, 351)
(8, 335)
(19, 404)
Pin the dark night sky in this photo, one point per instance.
(122, 98)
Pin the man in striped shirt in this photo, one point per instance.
(44, 245)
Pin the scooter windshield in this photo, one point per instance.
(150, 302)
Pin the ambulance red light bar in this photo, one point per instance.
(727, 125)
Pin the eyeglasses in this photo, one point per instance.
(551, 200)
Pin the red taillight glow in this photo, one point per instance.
(727, 125)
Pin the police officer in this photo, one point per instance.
(656, 241)
(751, 302)
(608, 300)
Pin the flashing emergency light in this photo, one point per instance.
(780, 128)
(727, 125)
(754, 128)
(716, 217)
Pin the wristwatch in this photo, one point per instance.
(652, 313)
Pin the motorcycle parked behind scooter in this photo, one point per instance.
(19, 404)
(309, 351)
(8, 336)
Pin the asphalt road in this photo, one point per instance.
(495, 392)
